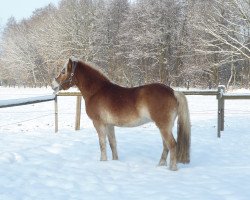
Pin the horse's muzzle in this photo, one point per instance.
(55, 86)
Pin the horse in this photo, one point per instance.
(109, 105)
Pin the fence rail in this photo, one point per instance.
(236, 96)
(25, 101)
(205, 93)
(69, 94)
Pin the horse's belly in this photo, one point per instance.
(126, 119)
(133, 123)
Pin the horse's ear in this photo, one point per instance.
(70, 63)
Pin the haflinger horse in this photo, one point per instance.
(108, 105)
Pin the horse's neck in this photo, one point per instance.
(90, 83)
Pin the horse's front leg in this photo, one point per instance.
(112, 141)
(102, 133)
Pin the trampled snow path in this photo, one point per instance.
(36, 163)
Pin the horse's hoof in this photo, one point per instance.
(103, 159)
(162, 163)
(173, 168)
(115, 158)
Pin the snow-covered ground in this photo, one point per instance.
(36, 163)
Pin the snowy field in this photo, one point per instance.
(37, 164)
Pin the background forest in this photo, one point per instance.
(175, 42)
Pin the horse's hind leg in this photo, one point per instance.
(164, 155)
(171, 145)
(112, 142)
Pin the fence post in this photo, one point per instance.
(78, 112)
(221, 105)
(56, 115)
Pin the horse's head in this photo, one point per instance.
(66, 78)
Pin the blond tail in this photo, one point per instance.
(183, 129)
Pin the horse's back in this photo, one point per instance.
(156, 91)
(123, 97)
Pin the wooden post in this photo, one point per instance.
(188, 84)
(221, 104)
(222, 111)
(56, 115)
(78, 112)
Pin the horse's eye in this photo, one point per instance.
(63, 71)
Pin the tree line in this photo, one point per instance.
(202, 42)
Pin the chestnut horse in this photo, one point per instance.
(109, 105)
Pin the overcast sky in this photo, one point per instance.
(20, 8)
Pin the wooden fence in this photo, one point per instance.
(78, 107)
(32, 100)
(220, 94)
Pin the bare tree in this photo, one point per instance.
(224, 34)
(134, 42)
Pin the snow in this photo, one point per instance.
(36, 163)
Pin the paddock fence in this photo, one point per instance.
(40, 99)
(32, 100)
(78, 107)
(220, 93)
(221, 96)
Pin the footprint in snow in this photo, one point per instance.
(10, 157)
